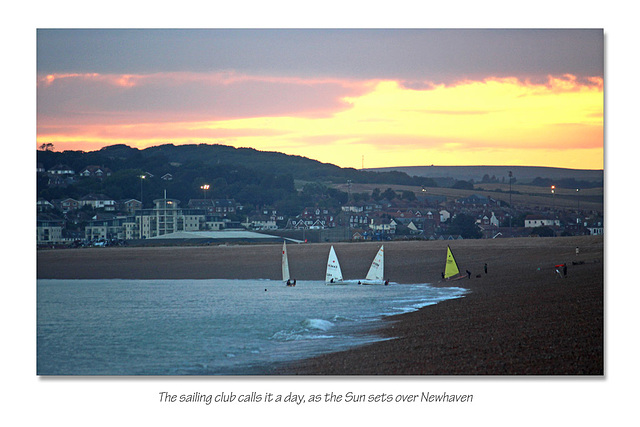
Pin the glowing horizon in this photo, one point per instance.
(491, 122)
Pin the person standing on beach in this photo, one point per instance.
(468, 274)
(564, 269)
(485, 268)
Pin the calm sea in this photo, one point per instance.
(207, 327)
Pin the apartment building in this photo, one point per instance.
(165, 217)
(48, 231)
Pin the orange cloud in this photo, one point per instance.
(557, 122)
(91, 99)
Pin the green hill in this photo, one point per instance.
(250, 176)
(167, 158)
(259, 178)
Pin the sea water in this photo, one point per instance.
(208, 327)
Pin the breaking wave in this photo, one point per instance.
(323, 325)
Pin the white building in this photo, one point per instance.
(98, 201)
(532, 221)
(165, 218)
(48, 231)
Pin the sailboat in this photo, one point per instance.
(286, 277)
(451, 270)
(334, 273)
(375, 276)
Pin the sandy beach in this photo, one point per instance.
(520, 318)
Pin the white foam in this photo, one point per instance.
(323, 325)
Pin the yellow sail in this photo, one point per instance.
(451, 269)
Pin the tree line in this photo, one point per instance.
(249, 176)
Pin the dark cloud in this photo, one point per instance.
(413, 55)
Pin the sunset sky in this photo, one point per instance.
(357, 97)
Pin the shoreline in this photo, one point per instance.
(518, 319)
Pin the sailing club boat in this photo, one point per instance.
(334, 273)
(451, 270)
(286, 277)
(375, 276)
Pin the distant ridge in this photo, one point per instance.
(523, 174)
(170, 158)
(219, 161)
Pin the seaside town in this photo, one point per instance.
(97, 219)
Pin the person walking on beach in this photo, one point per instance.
(564, 269)
(485, 268)
(468, 274)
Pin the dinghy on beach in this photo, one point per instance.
(286, 276)
(451, 270)
(334, 273)
(375, 276)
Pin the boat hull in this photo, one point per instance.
(453, 278)
(372, 282)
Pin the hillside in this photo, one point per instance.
(168, 157)
(251, 177)
(522, 195)
(523, 174)
(302, 168)
(270, 162)
(270, 178)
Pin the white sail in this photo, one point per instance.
(334, 273)
(376, 271)
(285, 263)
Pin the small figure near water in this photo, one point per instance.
(386, 282)
(468, 274)
(485, 268)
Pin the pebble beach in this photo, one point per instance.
(520, 317)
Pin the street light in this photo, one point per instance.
(553, 198)
(204, 189)
(142, 177)
(578, 195)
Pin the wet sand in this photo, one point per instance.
(520, 318)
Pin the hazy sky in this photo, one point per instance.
(390, 97)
